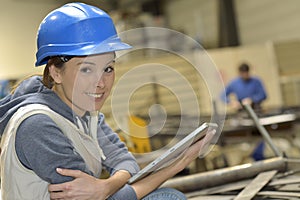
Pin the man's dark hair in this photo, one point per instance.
(244, 67)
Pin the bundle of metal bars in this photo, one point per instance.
(267, 179)
(266, 185)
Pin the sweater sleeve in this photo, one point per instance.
(42, 147)
(125, 193)
(260, 93)
(52, 149)
(115, 151)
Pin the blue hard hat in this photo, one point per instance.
(76, 29)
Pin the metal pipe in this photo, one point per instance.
(262, 129)
(217, 177)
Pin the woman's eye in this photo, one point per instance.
(85, 70)
(108, 69)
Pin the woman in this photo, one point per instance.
(52, 131)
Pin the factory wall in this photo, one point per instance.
(258, 21)
(267, 20)
(196, 18)
(19, 22)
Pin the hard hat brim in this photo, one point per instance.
(83, 49)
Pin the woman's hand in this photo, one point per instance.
(82, 187)
(199, 149)
(85, 186)
(153, 181)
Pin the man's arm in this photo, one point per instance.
(260, 93)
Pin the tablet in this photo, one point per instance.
(172, 153)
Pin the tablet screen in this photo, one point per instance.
(173, 153)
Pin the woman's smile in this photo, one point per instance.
(95, 95)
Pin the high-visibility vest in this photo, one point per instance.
(17, 181)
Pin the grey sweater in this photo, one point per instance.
(42, 147)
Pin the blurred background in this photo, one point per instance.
(263, 33)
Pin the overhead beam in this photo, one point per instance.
(228, 31)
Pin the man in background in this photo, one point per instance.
(247, 89)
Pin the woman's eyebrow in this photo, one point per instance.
(86, 62)
(92, 63)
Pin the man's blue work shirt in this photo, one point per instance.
(252, 88)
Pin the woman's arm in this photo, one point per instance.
(153, 181)
(85, 186)
(52, 149)
(115, 150)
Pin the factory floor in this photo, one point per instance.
(239, 150)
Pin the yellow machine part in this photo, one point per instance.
(139, 135)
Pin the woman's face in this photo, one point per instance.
(85, 82)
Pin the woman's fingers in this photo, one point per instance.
(58, 188)
(69, 172)
(206, 142)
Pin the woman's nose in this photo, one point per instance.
(101, 82)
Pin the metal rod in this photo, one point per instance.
(217, 177)
(262, 129)
(256, 185)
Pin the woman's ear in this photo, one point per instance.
(55, 73)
